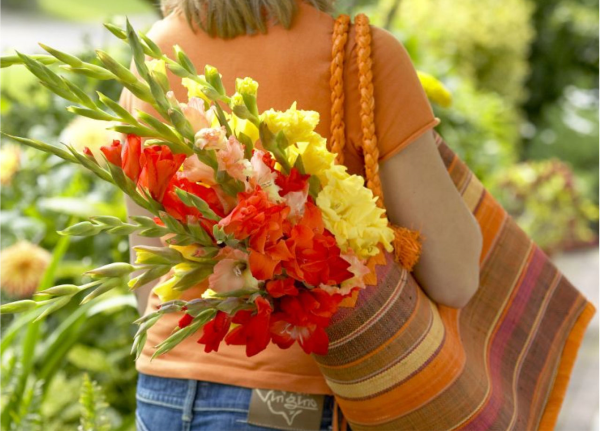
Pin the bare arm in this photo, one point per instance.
(419, 194)
(143, 292)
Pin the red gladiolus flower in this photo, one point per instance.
(113, 153)
(253, 330)
(294, 182)
(255, 217)
(130, 157)
(265, 265)
(303, 318)
(316, 256)
(178, 209)
(281, 287)
(127, 157)
(186, 320)
(159, 165)
(214, 332)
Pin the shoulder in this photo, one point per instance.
(171, 30)
(388, 54)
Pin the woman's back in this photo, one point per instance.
(291, 65)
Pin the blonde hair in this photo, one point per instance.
(231, 18)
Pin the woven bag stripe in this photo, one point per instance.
(393, 350)
(435, 377)
(412, 361)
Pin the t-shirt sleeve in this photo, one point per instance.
(402, 110)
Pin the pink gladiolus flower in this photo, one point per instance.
(211, 138)
(197, 172)
(194, 112)
(231, 159)
(231, 272)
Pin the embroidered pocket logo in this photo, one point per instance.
(285, 410)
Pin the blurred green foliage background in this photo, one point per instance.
(523, 75)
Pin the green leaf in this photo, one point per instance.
(11, 60)
(42, 146)
(95, 114)
(56, 304)
(137, 51)
(120, 71)
(62, 56)
(273, 144)
(93, 405)
(84, 99)
(18, 306)
(197, 202)
(248, 145)
(84, 228)
(123, 113)
(91, 71)
(118, 32)
(150, 275)
(107, 286)
(181, 334)
(213, 77)
(300, 165)
(314, 186)
(184, 60)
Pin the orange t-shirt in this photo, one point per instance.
(289, 65)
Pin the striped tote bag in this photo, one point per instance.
(398, 361)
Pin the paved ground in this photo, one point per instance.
(580, 408)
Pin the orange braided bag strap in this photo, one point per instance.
(407, 242)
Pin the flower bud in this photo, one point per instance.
(158, 71)
(85, 228)
(18, 306)
(62, 290)
(246, 86)
(117, 269)
(237, 100)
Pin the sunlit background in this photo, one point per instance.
(523, 113)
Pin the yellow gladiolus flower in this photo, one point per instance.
(194, 89)
(296, 124)
(317, 159)
(191, 252)
(350, 213)
(246, 127)
(165, 291)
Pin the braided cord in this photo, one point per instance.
(336, 84)
(367, 107)
(407, 242)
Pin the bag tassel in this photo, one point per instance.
(336, 425)
(407, 247)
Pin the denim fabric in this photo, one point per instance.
(165, 404)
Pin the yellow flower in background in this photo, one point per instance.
(296, 124)
(435, 90)
(350, 213)
(10, 160)
(22, 266)
(86, 132)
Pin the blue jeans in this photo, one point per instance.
(165, 404)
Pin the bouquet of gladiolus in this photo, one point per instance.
(251, 206)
